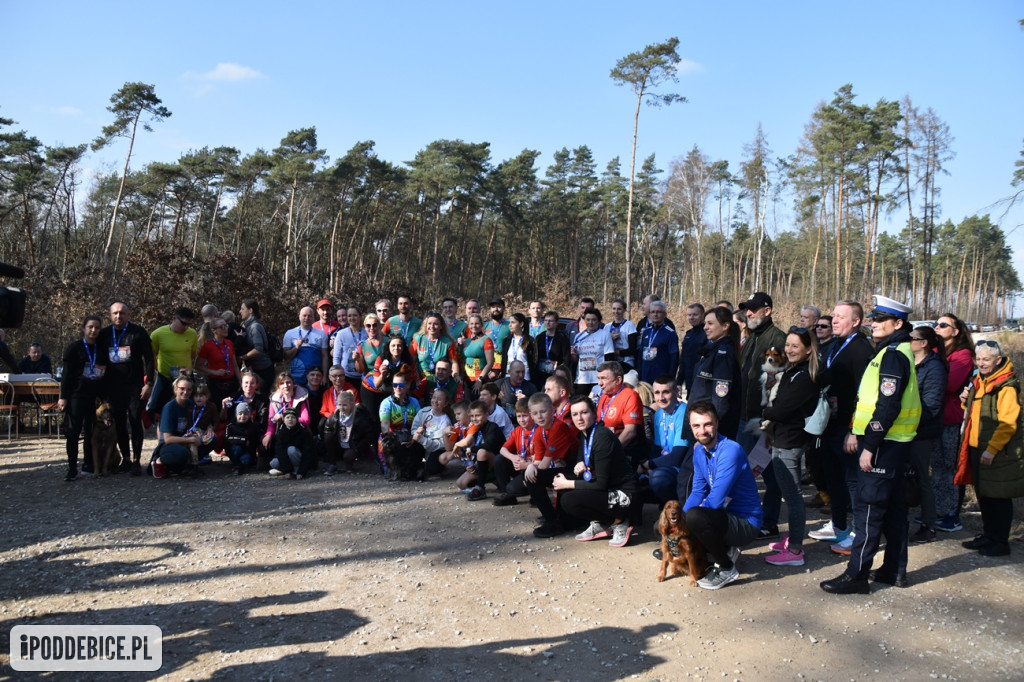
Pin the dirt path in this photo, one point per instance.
(351, 577)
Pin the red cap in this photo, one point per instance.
(324, 302)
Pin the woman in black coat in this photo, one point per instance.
(519, 345)
(553, 349)
(717, 375)
(787, 411)
(602, 488)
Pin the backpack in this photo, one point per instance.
(275, 351)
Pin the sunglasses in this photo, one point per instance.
(916, 338)
(943, 325)
(797, 330)
(402, 385)
(373, 326)
(822, 326)
(987, 342)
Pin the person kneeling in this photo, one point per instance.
(241, 438)
(296, 449)
(723, 510)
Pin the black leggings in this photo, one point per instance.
(81, 413)
(592, 505)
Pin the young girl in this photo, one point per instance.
(204, 424)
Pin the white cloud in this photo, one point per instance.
(687, 66)
(225, 72)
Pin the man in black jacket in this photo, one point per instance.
(129, 381)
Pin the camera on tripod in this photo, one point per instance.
(12, 299)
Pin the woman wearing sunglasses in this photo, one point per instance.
(932, 372)
(959, 345)
(992, 453)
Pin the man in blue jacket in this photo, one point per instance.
(723, 510)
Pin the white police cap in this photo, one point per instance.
(887, 307)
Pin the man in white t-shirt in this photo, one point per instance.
(305, 347)
(590, 348)
(346, 344)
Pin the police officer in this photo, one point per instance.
(884, 422)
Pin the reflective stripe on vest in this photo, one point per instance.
(905, 427)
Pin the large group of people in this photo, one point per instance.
(592, 419)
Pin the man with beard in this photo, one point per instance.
(497, 328)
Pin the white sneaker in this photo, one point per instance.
(593, 532)
(620, 534)
(276, 472)
(826, 533)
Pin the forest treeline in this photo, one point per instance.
(291, 223)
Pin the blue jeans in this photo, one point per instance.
(786, 465)
(662, 482)
(239, 456)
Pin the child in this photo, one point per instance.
(516, 454)
(483, 446)
(489, 395)
(241, 438)
(348, 432)
(460, 429)
(554, 446)
(295, 447)
(204, 424)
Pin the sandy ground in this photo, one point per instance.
(351, 577)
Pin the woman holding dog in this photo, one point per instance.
(80, 383)
(796, 400)
(717, 375)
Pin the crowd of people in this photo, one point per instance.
(590, 419)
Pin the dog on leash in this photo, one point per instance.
(679, 549)
(105, 456)
(404, 461)
(772, 366)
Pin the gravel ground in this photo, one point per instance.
(351, 577)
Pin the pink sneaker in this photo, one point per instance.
(786, 558)
(779, 545)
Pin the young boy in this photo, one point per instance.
(296, 449)
(483, 446)
(516, 454)
(489, 395)
(241, 438)
(347, 433)
(459, 430)
(554, 446)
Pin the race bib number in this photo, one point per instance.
(588, 364)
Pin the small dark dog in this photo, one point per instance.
(104, 441)
(678, 548)
(404, 461)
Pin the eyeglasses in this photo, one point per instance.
(943, 325)
(823, 326)
(337, 376)
(797, 330)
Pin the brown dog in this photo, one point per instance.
(104, 441)
(678, 547)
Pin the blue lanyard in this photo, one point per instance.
(652, 337)
(118, 337)
(431, 349)
(580, 338)
(495, 332)
(201, 410)
(405, 327)
(224, 351)
(666, 430)
(91, 357)
(525, 442)
(834, 354)
(587, 444)
(548, 340)
(535, 331)
(607, 405)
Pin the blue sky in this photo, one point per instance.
(519, 75)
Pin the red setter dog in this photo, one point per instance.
(678, 547)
